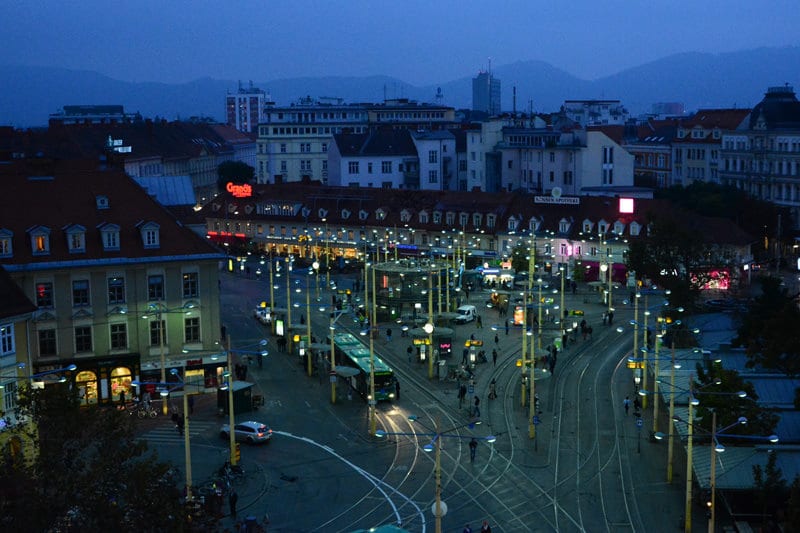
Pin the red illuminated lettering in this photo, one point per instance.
(239, 191)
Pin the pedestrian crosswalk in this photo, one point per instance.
(168, 433)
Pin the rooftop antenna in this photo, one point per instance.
(514, 102)
(490, 65)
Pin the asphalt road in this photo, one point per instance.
(589, 467)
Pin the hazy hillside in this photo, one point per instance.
(739, 79)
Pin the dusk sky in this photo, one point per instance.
(418, 41)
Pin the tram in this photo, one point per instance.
(351, 352)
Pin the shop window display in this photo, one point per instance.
(120, 382)
(87, 387)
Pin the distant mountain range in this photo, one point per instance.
(736, 79)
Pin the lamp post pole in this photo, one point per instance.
(231, 416)
(372, 401)
(539, 333)
(713, 479)
(523, 387)
(430, 322)
(671, 414)
(308, 331)
(331, 333)
(687, 513)
(656, 370)
(186, 445)
(438, 474)
(447, 284)
(161, 333)
(532, 408)
(271, 296)
(563, 312)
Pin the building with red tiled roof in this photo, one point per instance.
(310, 221)
(121, 288)
(697, 143)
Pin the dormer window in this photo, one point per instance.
(437, 217)
(6, 248)
(476, 219)
(619, 228)
(76, 238)
(345, 214)
(491, 220)
(40, 240)
(464, 219)
(533, 224)
(109, 234)
(150, 235)
(450, 218)
(405, 215)
(512, 224)
(635, 228)
(587, 226)
(380, 214)
(363, 215)
(423, 217)
(602, 227)
(563, 225)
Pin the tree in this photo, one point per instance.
(771, 489)
(728, 406)
(89, 473)
(792, 522)
(767, 330)
(519, 258)
(671, 255)
(236, 172)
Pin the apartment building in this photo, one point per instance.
(245, 107)
(762, 155)
(120, 288)
(697, 143)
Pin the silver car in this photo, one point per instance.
(251, 432)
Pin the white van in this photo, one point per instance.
(466, 313)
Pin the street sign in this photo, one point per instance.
(333, 378)
(470, 389)
(639, 422)
(536, 420)
(332, 372)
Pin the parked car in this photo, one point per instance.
(251, 432)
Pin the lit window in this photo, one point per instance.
(190, 285)
(116, 290)
(6, 339)
(44, 295)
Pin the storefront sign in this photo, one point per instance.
(239, 191)
(563, 200)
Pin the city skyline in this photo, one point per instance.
(417, 42)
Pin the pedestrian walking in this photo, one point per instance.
(486, 528)
(190, 401)
(610, 317)
(396, 389)
(494, 357)
(605, 318)
(479, 322)
(389, 334)
(493, 389)
(637, 405)
(473, 447)
(232, 499)
(627, 404)
(496, 340)
(506, 326)
(477, 407)
(122, 399)
(409, 351)
(462, 393)
(467, 529)
(553, 364)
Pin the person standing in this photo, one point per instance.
(462, 393)
(232, 499)
(494, 357)
(626, 403)
(486, 528)
(477, 407)
(409, 351)
(396, 389)
(496, 340)
(506, 326)
(122, 399)
(190, 402)
(479, 322)
(467, 529)
(473, 447)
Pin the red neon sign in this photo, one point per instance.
(239, 191)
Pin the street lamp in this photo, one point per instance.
(439, 508)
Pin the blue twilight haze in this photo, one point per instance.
(419, 42)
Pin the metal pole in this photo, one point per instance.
(539, 335)
(712, 516)
(429, 348)
(524, 390)
(372, 399)
(438, 476)
(687, 526)
(532, 408)
(271, 297)
(308, 330)
(447, 284)
(186, 445)
(671, 415)
(231, 416)
(333, 378)
(288, 305)
(656, 371)
(161, 334)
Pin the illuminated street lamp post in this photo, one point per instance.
(438, 508)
